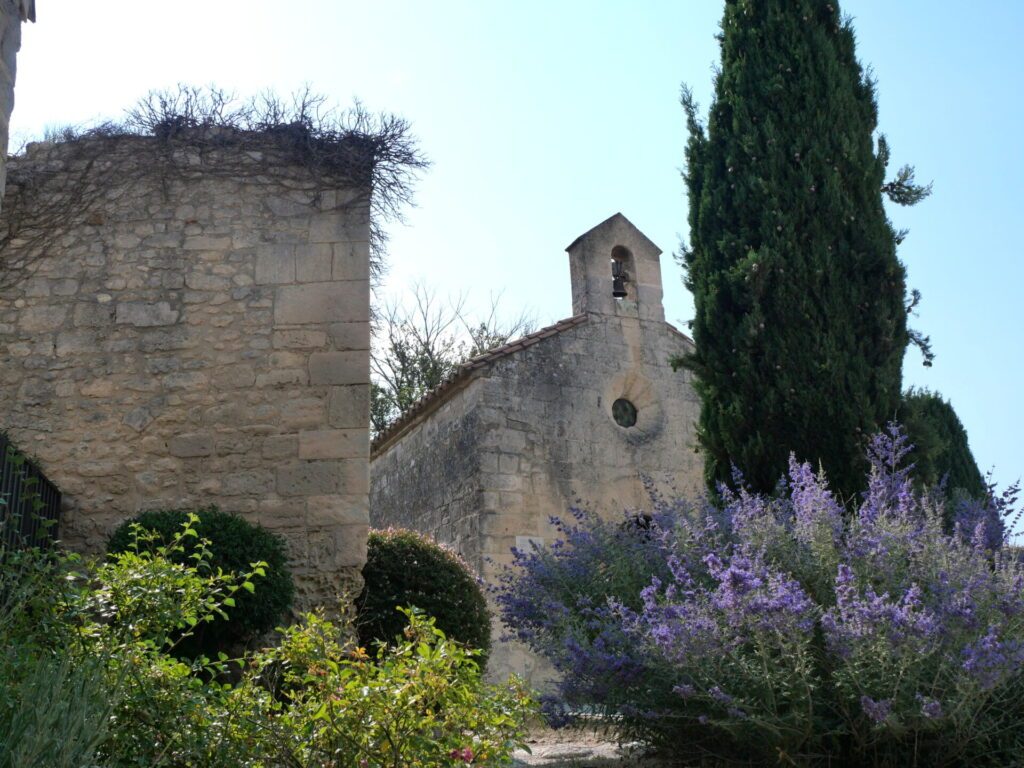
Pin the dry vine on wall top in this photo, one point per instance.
(194, 133)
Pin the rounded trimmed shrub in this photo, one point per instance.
(406, 569)
(235, 543)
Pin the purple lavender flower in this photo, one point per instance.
(684, 690)
(815, 509)
(878, 711)
(931, 709)
(991, 660)
(980, 524)
(717, 694)
(856, 618)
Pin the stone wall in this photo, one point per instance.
(199, 339)
(533, 433)
(12, 13)
(430, 481)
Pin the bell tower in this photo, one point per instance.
(616, 270)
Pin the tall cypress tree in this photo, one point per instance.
(801, 302)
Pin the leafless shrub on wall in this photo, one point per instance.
(191, 133)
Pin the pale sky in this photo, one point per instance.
(544, 118)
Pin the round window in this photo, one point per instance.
(624, 412)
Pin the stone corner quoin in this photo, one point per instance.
(194, 343)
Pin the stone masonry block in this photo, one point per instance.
(206, 243)
(309, 478)
(252, 482)
(275, 263)
(191, 445)
(280, 446)
(350, 335)
(42, 319)
(350, 545)
(146, 314)
(355, 477)
(313, 263)
(349, 406)
(352, 260)
(334, 444)
(347, 301)
(281, 513)
(305, 412)
(302, 339)
(333, 227)
(343, 509)
(336, 368)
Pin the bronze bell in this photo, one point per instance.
(618, 280)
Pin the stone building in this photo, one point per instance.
(191, 327)
(583, 409)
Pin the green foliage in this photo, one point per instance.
(234, 545)
(940, 444)
(419, 704)
(57, 718)
(801, 304)
(100, 639)
(404, 568)
(95, 684)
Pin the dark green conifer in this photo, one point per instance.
(941, 452)
(801, 301)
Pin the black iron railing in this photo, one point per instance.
(29, 503)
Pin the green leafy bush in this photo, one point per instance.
(419, 703)
(96, 679)
(98, 686)
(404, 568)
(234, 545)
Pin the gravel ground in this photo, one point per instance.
(581, 749)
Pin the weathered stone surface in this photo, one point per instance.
(342, 301)
(40, 319)
(350, 335)
(334, 444)
(303, 339)
(191, 445)
(146, 314)
(337, 368)
(313, 264)
(349, 407)
(275, 264)
(163, 357)
(308, 478)
(326, 511)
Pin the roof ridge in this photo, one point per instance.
(466, 368)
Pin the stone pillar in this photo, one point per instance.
(321, 306)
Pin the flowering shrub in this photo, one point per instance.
(786, 629)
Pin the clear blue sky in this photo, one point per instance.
(544, 118)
